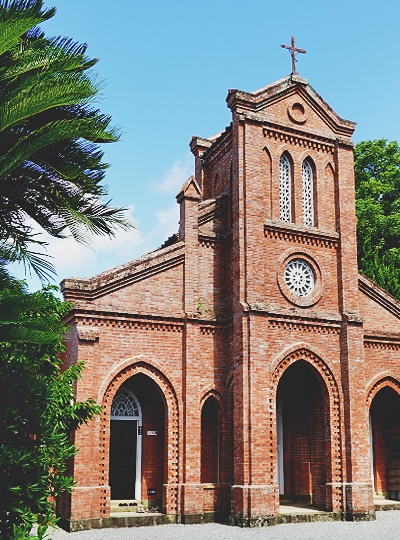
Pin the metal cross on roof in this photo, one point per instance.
(293, 52)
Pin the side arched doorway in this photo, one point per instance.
(385, 443)
(126, 446)
(303, 435)
(137, 442)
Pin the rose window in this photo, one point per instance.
(299, 277)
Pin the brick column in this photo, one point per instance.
(189, 198)
(357, 490)
(191, 494)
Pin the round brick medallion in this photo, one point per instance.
(297, 111)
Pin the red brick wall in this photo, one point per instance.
(210, 316)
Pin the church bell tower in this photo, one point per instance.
(284, 168)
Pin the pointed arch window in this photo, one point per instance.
(125, 405)
(285, 189)
(308, 193)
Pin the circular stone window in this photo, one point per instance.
(299, 277)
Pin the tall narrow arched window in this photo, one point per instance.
(285, 189)
(210, 441)
(308, 193)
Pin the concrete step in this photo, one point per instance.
(127, 505)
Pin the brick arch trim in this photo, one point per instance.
(287, 351)
(286, 152)
(210, 391)
(327, 161)
(130, 368)
(386, 378)
(284, 148)
(303, 351)
(267, 152)
(124, 364)
(306, 155)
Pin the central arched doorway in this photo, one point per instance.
(303, 435)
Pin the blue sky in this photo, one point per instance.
(167, 67)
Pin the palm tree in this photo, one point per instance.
(51, 166)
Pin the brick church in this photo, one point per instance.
(246, 361)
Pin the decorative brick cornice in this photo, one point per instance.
(299, 138)
(207, 330)
(217, 154)
(294, 233)
(211, 241)
(319, 322)
(378, 295)
(304, 326)
(382, 340)
(86, 320)
(219, 147)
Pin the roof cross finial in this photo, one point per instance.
(292, 49)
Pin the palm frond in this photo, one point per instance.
(32, 261)
(94, 130)
(51, 167)
(17, 17)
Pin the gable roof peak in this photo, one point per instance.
(290, 80)
(189, 190)
(241, 102)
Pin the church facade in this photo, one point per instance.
(246, 361)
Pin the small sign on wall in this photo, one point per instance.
(151, 491)
(152, 433)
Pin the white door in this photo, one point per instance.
(279, 444)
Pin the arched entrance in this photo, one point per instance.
(385, 443)
(303, 435)
(126, 446)
(137, 442)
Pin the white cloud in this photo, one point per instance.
(74, 260)
(167, 221)
(176, 175)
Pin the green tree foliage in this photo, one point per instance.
(377, 174)
(51, 166)
(38, 408)
(51, 174)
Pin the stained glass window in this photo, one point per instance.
(308, 194)
(285, 189)
(124, 405)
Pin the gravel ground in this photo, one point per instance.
(387, 526)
